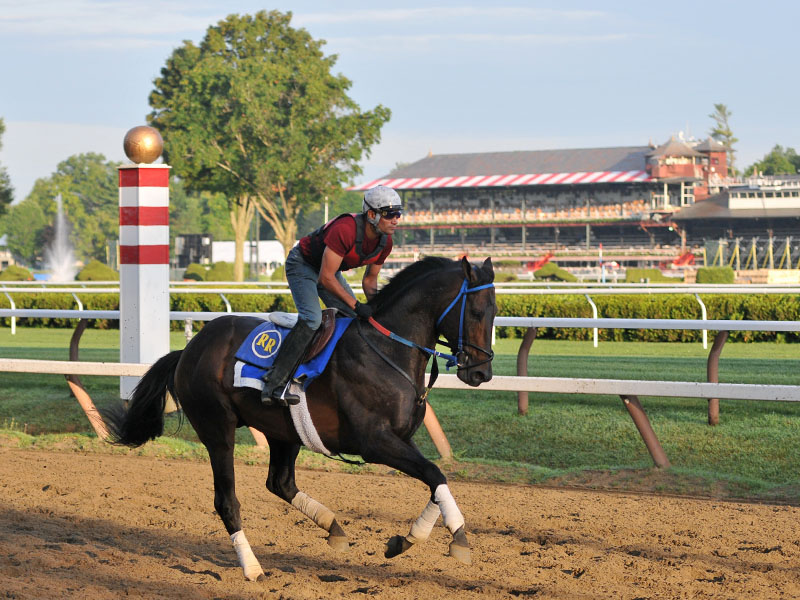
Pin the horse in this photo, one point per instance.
(368, 401)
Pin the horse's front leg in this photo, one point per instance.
(390, 450)
(281, 482)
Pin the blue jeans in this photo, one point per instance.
(306, 290)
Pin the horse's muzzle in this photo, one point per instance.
(477, 376)
(478, 372)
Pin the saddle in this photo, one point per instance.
(322, 335)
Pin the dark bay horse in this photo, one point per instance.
(369, 401)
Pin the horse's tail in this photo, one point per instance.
(143, 419)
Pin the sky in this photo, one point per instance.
(458, 76)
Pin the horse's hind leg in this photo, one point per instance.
(220, 451)
(281, 482)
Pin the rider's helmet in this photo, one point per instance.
(384, 201)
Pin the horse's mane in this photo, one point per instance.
(412, 273)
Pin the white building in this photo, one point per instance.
(267, 254)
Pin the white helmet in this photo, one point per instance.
(382, 200)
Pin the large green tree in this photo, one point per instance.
(255, 112)
(778, 161)
(721, 131)
(6, 190)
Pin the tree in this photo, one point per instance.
(24, 225)
(722, 133)
(6, 190)
(312, 217)
(778, 161)
(89, 188)
(255, 113)
(197, 213)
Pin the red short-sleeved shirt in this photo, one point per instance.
(340, 237)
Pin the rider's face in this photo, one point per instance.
(388, 225)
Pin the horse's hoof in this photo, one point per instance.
(337, 538)
(255, 575)
(459, 547)
(461, 553)
(338, 542)
(396, 545)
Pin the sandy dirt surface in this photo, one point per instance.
(105, 526)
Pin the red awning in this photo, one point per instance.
(468, 181)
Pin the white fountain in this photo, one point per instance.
(59, 258)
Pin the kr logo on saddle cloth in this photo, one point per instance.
(259, 349)
(266, 344)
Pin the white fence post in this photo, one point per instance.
(144, 266)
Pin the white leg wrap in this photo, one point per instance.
(422, 527)
(321, 515)
(248, 560)
(453, 519)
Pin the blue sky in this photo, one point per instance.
(459, 76)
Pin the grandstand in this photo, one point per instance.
(642, 204)
(526, 203)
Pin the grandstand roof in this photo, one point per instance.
(535, 167)
(711, 145)
(674, 147)
(716, 207)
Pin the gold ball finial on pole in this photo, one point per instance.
(143, 144)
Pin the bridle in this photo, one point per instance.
(457, 349)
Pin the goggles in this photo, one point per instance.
(390, 213)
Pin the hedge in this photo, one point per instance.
(178, 302)
(651, 275)
(761, 307)
(715, 275)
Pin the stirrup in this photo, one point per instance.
(280, 396)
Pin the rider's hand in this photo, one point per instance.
(363, 311)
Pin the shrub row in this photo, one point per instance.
(178, 302)
(765, 307)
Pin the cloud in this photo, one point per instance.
(126, 24)
(447, 15)
(76, 18)
(418, 42)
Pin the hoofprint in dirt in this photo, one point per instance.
(102, 526)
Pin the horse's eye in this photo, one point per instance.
(478, 314)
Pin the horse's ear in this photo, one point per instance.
(487, 265)
(466, 267)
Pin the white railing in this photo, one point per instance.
(628, 390)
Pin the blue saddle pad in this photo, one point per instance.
(259, 349)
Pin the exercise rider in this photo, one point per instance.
(313, 270)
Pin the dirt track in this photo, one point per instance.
(104, 526)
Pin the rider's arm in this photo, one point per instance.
(370, 281)
(327, 277)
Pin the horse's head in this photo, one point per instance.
(467, 323)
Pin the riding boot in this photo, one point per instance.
(289, 357)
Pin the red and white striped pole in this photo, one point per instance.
(143, 254)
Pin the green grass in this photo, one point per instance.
(570, 439)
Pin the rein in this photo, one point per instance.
(452, 359)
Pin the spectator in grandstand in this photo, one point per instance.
(313, 270)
